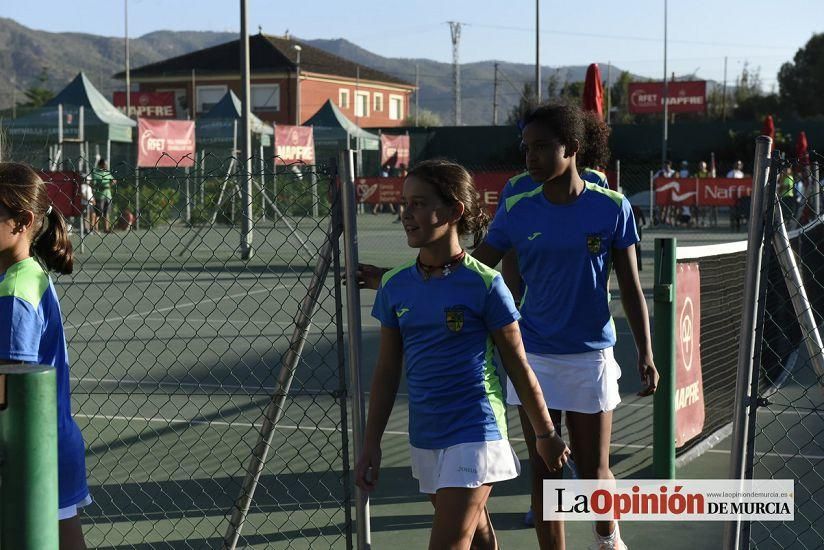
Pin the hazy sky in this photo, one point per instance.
(630, 34)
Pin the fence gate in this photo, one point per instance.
(181, 352)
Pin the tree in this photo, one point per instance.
(554, 85)
(620, 99)
(39, 94)
(801, 82)
(525, 104)
(426, 119)
(573, 91)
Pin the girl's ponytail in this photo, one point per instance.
(52, 246)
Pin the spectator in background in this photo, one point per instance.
(703, 214)
(379, 206)
(402, 175)
(87, 216)
(684, 172)
(102, 182)
(737, 170)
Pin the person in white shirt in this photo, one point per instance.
(737, 171)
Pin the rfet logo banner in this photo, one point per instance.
(165, 143)
(294, 144)
(147, 104)
(689, 385)
(701, 191)
(682, 97)
(394, 151)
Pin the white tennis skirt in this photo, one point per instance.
(578, 382)
(468, 465)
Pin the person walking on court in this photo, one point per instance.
(103, 182)
(34, 240)
(441, 314)
(568, 234)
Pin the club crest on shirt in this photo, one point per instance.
(454, 319)
(594, 244)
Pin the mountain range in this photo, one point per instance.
(27, 54)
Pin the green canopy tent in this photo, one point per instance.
(333, 132)
(78, 113)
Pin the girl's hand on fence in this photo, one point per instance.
(369, 276)
(368, 468)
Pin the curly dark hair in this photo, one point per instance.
(571, 123)
(454, 184)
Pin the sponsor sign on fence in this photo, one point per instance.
(294, 144)
(689, 386)
(165, 143)
(682, 97)
(394, 151)
(701, 191)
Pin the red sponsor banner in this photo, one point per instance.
(294, 144)
(165, 143)
(700, 191)
(63, 189)
(689, 386)
(682, 97)
(375, 190)
(394, 150)
(147, 104)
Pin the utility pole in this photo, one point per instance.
(128, 71)
(724, 98)
(455, 28)
(666, 94)
(495, 97)
(245, 164)
(538, 50)
(417, 91)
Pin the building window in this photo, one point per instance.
(361, 103)
(378, 103)
(343, 98)
(265, 97)
(395, 107)
(207, 96)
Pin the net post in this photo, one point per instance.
(663, 444)
(28, 467)
(746, 346)
(353, 308)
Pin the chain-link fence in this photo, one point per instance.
(786, 410)
(183, 354)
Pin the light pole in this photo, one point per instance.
(666, 95)
(128, 72)
(297, 48)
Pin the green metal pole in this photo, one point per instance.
(663, 432)
(28, 468)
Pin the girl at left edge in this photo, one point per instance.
(33, 241)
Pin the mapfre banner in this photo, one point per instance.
(394, 151)
(147, 104)
(700, 191)
(682, 97)
(165, 143)
(376, 190)
(294, 144)
(689, 385)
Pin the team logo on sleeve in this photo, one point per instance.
(594, 244)
(454, 319)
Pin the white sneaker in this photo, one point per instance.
(603, 543)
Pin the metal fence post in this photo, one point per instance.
(651, 198)
(350, 251)
(663, 446)
(28, 468)
(746, 349)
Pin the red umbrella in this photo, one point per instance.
(594, 91)
(801, 148)
(769, 127)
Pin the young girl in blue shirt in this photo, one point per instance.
(442, 315)
(34, 240)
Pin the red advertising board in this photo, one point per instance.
(375, 190)
(147, 104)
(395, 151)
(165, 143)
(682, 97)
(700, 191)
(294, 144)
(63, 189)
(689, 387)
